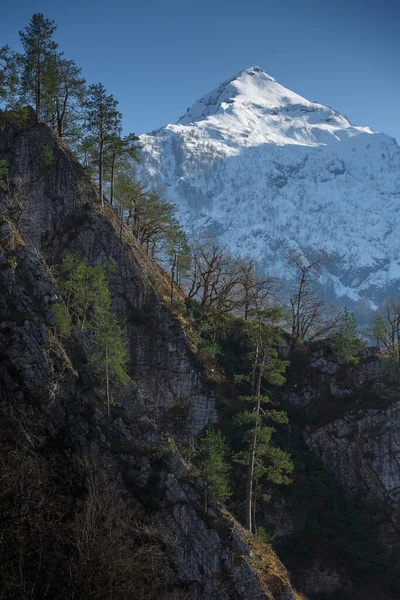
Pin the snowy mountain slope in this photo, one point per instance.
(269, 171)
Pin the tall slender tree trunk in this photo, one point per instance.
(254, 373)
(60, 129)
(61, 117)
(256, 385)
(108, 390)
(250, 472)
(101, 153)
(37, 99)
(249, 483)
(121, 225)
(112, 178)
(178, 275)
(173, 278)
(254, 524)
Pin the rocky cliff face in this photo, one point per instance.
(60, 219)
(362, 450)
(343, 512)
(360, 443)
(348, 418)
(44, 375)
(355, 427)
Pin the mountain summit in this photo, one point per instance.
(251, 85)
(258, 109)
(269, 171)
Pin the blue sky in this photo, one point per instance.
(158, 56)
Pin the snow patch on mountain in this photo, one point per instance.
(268, 171)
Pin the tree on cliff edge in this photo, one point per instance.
(39, 48)
(386, 328)
(64, 94)
(9, 76)
(102, 123)
(347, 342)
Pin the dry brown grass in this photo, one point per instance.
(155, 276)
(271, 573)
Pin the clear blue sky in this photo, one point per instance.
(158, 56)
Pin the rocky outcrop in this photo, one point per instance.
(44, 374)
(362, 450)
(351, 419)
(61, 218)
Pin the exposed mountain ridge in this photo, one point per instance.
(268, 171)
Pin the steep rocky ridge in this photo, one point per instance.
(46, 376)
(62, 220)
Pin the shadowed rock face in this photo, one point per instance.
(41, 374)
(61, 220)
(362, 450)
(355, 428)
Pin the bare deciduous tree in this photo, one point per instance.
(215, 278)
(56, 544)
(257, 292)
(223, 284)
(311, 316)
(386, 328)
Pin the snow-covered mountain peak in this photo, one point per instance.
(252, 108)
(269, 171)
(251, 86)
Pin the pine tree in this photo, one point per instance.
(102, 122)
(86, 150)
(39, 50)
(179, 252)
(211, 461)
(346, 340)
(64, 93)
(81, 284)
(9, 76)
(110, 352)
(118, 148)
(130, 195)
(151, 219)
(155, 223)
(63, 320)
(259, 456)
(87, 298)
